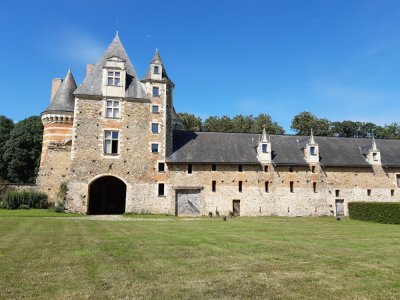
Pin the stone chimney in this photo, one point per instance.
(89, 69)
(56, 82)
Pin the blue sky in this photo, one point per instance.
(336, 59)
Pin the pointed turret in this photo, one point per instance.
(113, 75)
(156, 70)
(64, 99)
(312, 140)
(374, 154)
(312, 149)
(265, 138)
(264, 151)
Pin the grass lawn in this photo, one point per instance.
(201, 258)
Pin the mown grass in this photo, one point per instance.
(34, 213)
(262, 258)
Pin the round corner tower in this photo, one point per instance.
(57, 120)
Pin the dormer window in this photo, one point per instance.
(375, 156)
(156, 70)
(264, 148)
(312, 151)
(114, 78)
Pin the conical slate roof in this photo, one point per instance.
(93, 81)
(64, 99)
(157, 61)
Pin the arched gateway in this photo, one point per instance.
(107, 196)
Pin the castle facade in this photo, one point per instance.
(115, 141)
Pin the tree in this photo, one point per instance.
(391, 131)
(270, 126)
(22, 150)
(6, 126)
(190, 122)
(218, 124)
(303, 122)
(242, 123)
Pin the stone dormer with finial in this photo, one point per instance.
(311, 151)
(264, 149)
(374, 155)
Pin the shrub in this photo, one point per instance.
(13, 199)
(380, 212)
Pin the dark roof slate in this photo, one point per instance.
(64, 99)
(235, 148)
(93, 82)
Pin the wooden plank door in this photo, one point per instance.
(339, 207)
(188, 203)
(236, 208)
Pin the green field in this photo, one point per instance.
(271, 257)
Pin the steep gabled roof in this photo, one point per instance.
(236, 148)
(64, 99)
(92, 85)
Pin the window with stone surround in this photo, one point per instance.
(312, 150)
(113, 78)
(154, 148)
(155, 128)
(113, 109)
(155, 109)
(161, 167)
(111, 140)
(156, 70)
(264, 148)
(156, 91)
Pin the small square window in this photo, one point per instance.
(155, 127)
(161, 167)
(156, 91)
(213, 167)
(214, 186)
(156, 70)
(155, 109)
(264, 148)
(154, 148)
(161, 189)
(240, 186)
(240, 168)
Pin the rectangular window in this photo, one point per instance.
(156, 91)
(313, 169)
(267, 186)
(240, 186)
(291, 169)
(375, 156)
(112, 109)
(161, 189)
(111, 142)
(292, 187)
(190, 168)
(214, 186)
(113, 78)
(337, 193)
(156, 70)
(314, 185)
(154, 148)
(213, 167)
(240, 168)
(264, 148)
(312, 150)
(369, 192)
(155, 127)
(155, 109)
(161, 167)
(392, 193)
(266, 169)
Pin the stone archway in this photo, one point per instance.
(107, 196)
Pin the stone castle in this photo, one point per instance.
(115, 142)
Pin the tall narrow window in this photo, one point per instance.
(337, 193)
(112, 109)
(113, 78)
(161, 167)
(267, 187)
(156, 69)
(190, 168)
(155, 128)
(313, 169)
(264, 148)
(314, 185)
(369, 192)
(213, 167)
(266, 169)
(312, 150)
(240, 186)
(240, 168)
(161, 189)
(156, 91)
(292, 187)
(392, 193)
(154, 148)
(214, 186)
(111, 139)
(398, 180)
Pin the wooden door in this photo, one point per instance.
(339, 208)
(188, 202)
(236, 208)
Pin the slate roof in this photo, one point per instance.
(93, 81)
(64, 100)
(158, 61)
(236, 148)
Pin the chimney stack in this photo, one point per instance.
(54, 87)
(89, 69)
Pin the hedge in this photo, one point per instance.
(380, 212)
(13, 199)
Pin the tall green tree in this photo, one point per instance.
(190, 122)
(303, 122)
(22, 150)
(6, 126)
(271, 127)
(218, 124)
